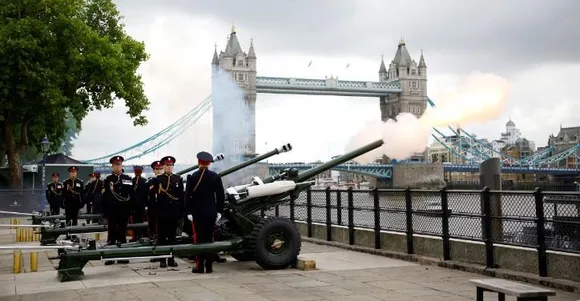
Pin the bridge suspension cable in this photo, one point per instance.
(160, 138)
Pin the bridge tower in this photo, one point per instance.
(242, 67)
(413, 80)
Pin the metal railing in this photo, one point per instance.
(531, 219)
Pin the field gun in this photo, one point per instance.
(273, 242)
(50, 235)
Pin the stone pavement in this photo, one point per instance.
(341, 276)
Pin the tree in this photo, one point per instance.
(60, 56)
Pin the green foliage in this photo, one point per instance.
(60, 56)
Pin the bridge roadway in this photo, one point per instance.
(386, 170)
(341, 275)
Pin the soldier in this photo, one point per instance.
(94, 195)
(204, 206)
(169, 188)
(139, 200)
(73, 196)
(152, 200)
(117, 191)
(54, 195)
(98, 194)
(88, 191)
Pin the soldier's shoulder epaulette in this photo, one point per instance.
(80, 180)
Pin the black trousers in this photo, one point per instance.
(71, 215)
(117, 227)
(136, 218)
(54, 208)
(152, 221)
(167, 230)
(203, 230)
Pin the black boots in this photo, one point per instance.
(204, 266)
(163, 263)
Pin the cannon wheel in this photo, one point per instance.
(275, 243)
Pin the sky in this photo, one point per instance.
(531, 43)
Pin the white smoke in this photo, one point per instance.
(482, 97)
(231, 126)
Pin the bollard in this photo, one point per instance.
(29, 234)
(33, 261)
(17, 260)
(97, 236)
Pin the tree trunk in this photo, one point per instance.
(2, 146)
(15, 179)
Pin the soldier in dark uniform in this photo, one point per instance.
(88, 190)
(94, 195)
(73, 196)
(152, 199)
(117, 191)
(98, 194)
(54, 194)
(139, 200)
(169, 188)
(205, 203)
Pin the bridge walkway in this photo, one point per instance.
(341, 276)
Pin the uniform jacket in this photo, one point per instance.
(170, 196)
(205, 194)
(54, 194)
(140, 192)
(73, 193)
(117, 192)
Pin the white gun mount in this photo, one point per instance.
(258, 189)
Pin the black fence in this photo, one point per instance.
(533, 219)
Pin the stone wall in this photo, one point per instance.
(424, 175)
(524, 260)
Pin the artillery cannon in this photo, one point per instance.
(50, 235)
(274, 243)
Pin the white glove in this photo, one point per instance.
(190, 217)
(219, 216)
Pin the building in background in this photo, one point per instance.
(566, 139)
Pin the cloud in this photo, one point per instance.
(535, 51)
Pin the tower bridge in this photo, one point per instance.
(402, 87)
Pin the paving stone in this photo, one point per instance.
(341, 275)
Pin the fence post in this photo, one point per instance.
(277, 211)
(409, 218)
(377, 212)
(292, 207)
(338, 207)
(540, 228)
(350, 200)
(309, 211)
(328, 215)
(487, 227)
(445, 224)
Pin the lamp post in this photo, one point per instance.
(44, 145)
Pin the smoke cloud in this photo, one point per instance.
(232, 130)
(482, 97)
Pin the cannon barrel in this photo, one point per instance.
(307, 174)
(218, 157)
(284, 148)
(278, 195)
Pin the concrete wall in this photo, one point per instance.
(560, 265)
(418, 175)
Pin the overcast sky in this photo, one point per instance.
(532, 43)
